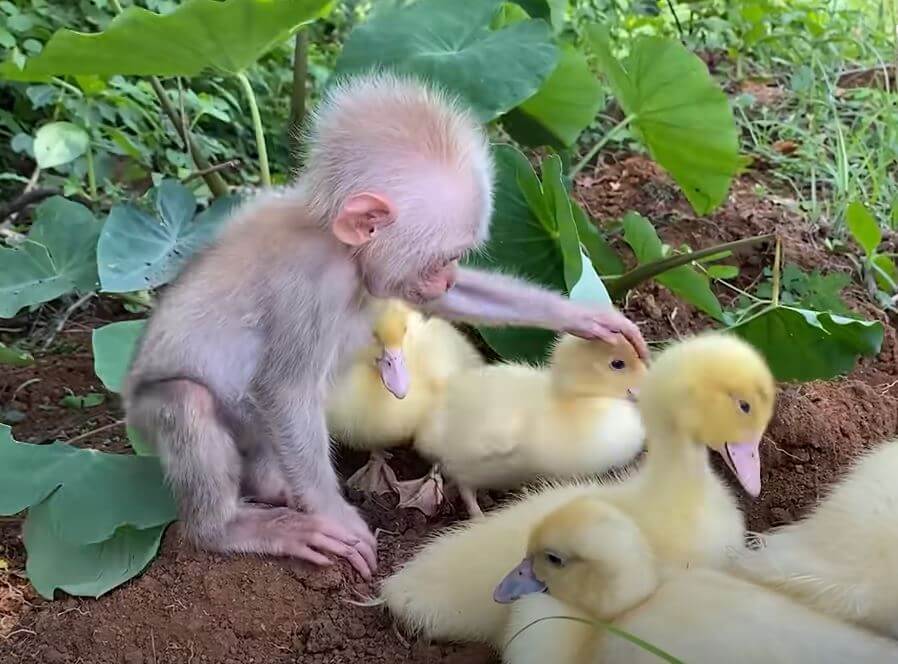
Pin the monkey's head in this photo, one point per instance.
(402, 175)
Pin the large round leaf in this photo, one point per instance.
(802, 345)
(564, 106)
(113, 346)
(227, 35)
(450, 43)
(681, 114)
(139, 251)
(58, 143)
(86, 570)
(89, 494)
(58, 257)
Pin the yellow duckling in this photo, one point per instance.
(381, 400)
(843, 559)
(711, 391)
(594, 562)
(500, 426)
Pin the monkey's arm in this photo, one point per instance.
(489, 298)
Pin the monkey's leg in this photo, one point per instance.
(425, 494)
(203, 467)
(376, 476)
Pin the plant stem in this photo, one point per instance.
(257, 125)
(298, 97)
(91, 174)
(775, 280)
(619, 286)
(68, 86)
(213, 179)
(594, 150)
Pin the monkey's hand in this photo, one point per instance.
(606, 324)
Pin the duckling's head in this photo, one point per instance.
(390, 330)
(588, 554)
(713, 389)
(596, 368)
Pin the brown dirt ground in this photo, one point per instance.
(190, 607)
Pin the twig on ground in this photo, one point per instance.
(229, 165)
(88, 434)
(64, 318)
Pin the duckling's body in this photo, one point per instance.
(693, 393)
(362, 412)
(843, 559)
(594, 562)
(503, 425)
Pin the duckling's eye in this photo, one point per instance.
(745, 407)
(617, 365)
(554, 559)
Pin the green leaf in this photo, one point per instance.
(885, 273)
(681, 115)
(601, 254)
(551, 11)
(722, 271)
(564, 106)
(226, 35)
(684, 280)
(59, 143)
(113, 347)
(138, 251)
(58, 257)
(80, 402)
(449, 43)
(138, 444)
(863, 227)
(15, 357)
(88, 570)
(589, 288)
(88, 494)
(520, 244)
(802, 345)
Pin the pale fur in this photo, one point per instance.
(362, 414)
(843, 558)
(688, 515)
(700, 616)
(503, 425)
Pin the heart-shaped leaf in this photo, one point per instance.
(88, 494)
(113, 347)
(802, 345)
(680, 113)
(534, 235)
(566, 103)
(58, 143)
(863, 227)
(451, 44)
(684, 281)
(59, 256)
(86, 570)
(138, 251)
(226, 35)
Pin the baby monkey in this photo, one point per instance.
(230, 377)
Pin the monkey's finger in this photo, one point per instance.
(369, 553)
(324, 543)
(310, 555)
(634, 335)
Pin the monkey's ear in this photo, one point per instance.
(361, 217)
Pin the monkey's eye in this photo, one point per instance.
(554, 559)
(617, 365)
(745, 407)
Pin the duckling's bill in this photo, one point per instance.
(744, 459)
(518, 582)
(393, 372)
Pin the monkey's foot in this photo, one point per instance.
(425, 494)
(376, 476)
(469, 498)
(311, 537)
